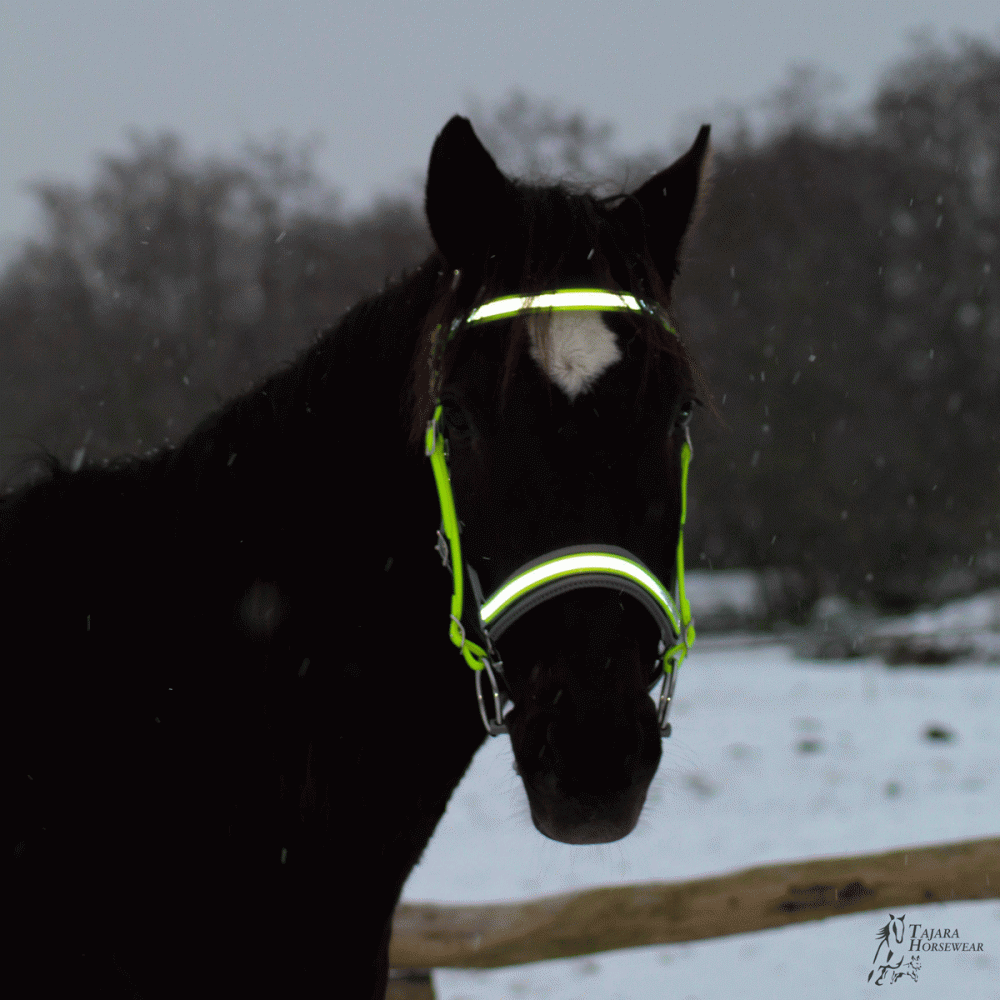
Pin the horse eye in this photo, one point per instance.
(685, 413)
(456, 419)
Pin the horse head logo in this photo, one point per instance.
(891, 935)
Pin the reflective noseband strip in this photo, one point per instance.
(565, 299)
(589, 562)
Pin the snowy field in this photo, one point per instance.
(773, 758)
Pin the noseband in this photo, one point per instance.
(561, 570)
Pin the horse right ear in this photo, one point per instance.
(466, 195)
(659, 215)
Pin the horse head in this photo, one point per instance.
(565, 422)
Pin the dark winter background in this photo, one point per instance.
(842, 296)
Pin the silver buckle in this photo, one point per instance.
(432, 427)
(497, 727)
(441, 548)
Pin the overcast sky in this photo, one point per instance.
(377, 80)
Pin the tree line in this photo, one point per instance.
(840, 295)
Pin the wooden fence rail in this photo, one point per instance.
(430, 935)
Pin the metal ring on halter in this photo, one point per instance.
(496, 728)
(666, 697)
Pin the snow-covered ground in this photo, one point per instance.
(773, 758)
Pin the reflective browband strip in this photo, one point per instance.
(575, 299)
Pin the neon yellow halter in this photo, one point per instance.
(564, 569)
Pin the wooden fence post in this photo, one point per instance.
(429, 935)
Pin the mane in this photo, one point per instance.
(562, 227)
(398, 309)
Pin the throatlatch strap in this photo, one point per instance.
(434, 446)
(674, 656)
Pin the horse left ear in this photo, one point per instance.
(658, 215)
(467, 197)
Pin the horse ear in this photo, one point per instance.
(466, 195)
(658, 215)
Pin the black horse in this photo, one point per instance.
(233, 693)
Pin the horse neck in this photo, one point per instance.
(327, 435)
(363, 365)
